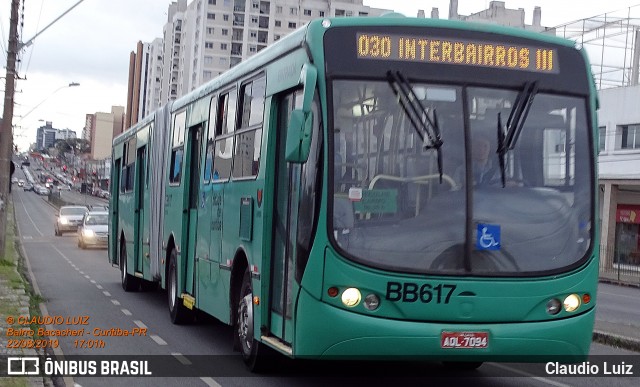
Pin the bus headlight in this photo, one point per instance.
(553, 306)
(571, 302)
(351, 297)
(371, 302)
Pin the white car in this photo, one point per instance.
(69, 218)
(94, 230)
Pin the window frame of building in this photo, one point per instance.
(602, 138)
(629, 137)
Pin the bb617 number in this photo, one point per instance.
(413, 292)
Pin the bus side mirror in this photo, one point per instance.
(300, 126)
(299, 136)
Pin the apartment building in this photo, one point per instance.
(47, 135)
(100, 129)
(204, 38)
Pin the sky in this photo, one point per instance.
(91, 45)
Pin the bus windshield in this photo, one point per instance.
(522, 179)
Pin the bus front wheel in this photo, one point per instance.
(256, 356)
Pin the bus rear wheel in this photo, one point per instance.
(129, 283)
(256, 356)
(177, 311)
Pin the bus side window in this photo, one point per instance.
(224, 136)
(208, 164)
(177, 151)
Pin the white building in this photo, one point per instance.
(619, 173)
(65, 134)
(498, 13)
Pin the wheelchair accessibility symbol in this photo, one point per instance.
(488, 237)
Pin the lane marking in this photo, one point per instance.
(115, 302)
(140, 324)
(126, 312)
(87, 277)
(158, 340)
(106, 293)
(210, 382)
(181, 358)
(99, 287)
(29, 216)
(93, 282)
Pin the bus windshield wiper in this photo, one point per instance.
(415, 111)
(507, 137)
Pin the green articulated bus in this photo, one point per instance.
(374, 187)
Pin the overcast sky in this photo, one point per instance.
(91, 45)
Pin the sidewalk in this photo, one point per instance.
(14, 303)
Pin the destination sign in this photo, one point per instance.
(475, 53)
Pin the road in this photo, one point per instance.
(77, 282)
(619, 304)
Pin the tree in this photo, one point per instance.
(77, 146)
(80, 145)
(63, 146)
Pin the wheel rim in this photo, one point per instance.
(123, 257)
(245, 323)
(173, 289)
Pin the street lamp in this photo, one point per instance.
(72, 84)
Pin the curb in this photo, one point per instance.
(618, 341)
(619, 283)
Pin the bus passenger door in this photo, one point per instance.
(284, 288)
(190, 212)
(140, 231)
(114, 214)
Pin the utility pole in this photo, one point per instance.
(6, 135)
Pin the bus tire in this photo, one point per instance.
(129, 283)
(256, 356)
(177, 311)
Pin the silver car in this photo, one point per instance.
(94, 230)
(69, 218)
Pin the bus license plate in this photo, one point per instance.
(464, 340)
